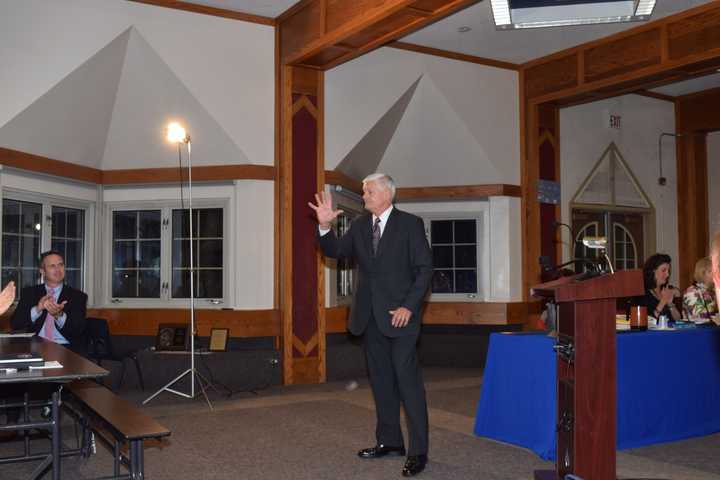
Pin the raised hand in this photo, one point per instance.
(7, 296)
(323, 210)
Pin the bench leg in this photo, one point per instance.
(136, 460)
(116, 459)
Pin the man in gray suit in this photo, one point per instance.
(394, 273)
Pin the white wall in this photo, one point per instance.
(460, 127)
(223, 67)
(713, 173)
(584, 136)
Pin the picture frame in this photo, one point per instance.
(219, 339)
(172, 337)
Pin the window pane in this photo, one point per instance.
(73, 254)
(210, 284)
(29, 277)
(465, 256)
(150, 254)
(181, 284)
(181, 254)
(211, 222)
(442, 281)
(75, 224)
(30, 218)
(58, 246)
(150, 222)
(73, 278)
(443, 257)
(441, 231)
(30, 251)
(124, 224)
(58, 222)
(149, 284)
(10, 251)
(124, 255)
(11, 216)
(466, 281)
(181, 223)
(124, 283)
(210, 253)
(465, 231)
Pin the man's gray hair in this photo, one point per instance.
(382, 179)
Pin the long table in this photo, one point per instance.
(74, 367)
(668, 388)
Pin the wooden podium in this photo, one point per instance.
(586, 371)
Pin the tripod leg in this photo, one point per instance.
(201, 382)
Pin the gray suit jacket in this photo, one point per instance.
(398, 276)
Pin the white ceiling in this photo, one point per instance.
(690, 86)
(483, 40)
(266, 8)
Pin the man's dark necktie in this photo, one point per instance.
(376, 235)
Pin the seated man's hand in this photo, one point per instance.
(55, 309)
(43, 302)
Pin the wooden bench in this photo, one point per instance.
(116, 422)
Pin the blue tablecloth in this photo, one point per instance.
(668, 388)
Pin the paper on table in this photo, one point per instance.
(50, 364)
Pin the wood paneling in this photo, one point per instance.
(624, 54)
(669, 49)
(453, 313)
(207, 10)
(333, 177)
(459, 192)
(200, 174)
(304, 26)
(336, 319)
(145, 321)
(411, 47)
(324, 34)
(694, 34)
(340, 12)
(49, 166)
(554, 75)
(36, 163)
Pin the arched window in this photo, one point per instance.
(624, 247)
(590, 229)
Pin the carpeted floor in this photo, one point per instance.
(313, 432)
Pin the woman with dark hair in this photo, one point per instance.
(659, 294)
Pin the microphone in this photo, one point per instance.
(557, 224)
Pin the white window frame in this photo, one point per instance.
(481, 217)
(48, 201)
(165, 300)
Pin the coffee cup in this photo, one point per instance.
(638, 317)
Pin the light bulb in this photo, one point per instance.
(176, 133)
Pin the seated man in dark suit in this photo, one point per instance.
(53, 310)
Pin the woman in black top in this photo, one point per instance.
(659, 295)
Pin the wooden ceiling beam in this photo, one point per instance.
(676, 47)
(322, 34)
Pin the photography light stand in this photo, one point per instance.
(177, 134)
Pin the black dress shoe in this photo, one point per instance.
(380, 451)
(414, 465)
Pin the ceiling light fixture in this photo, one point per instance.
(511, 14)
